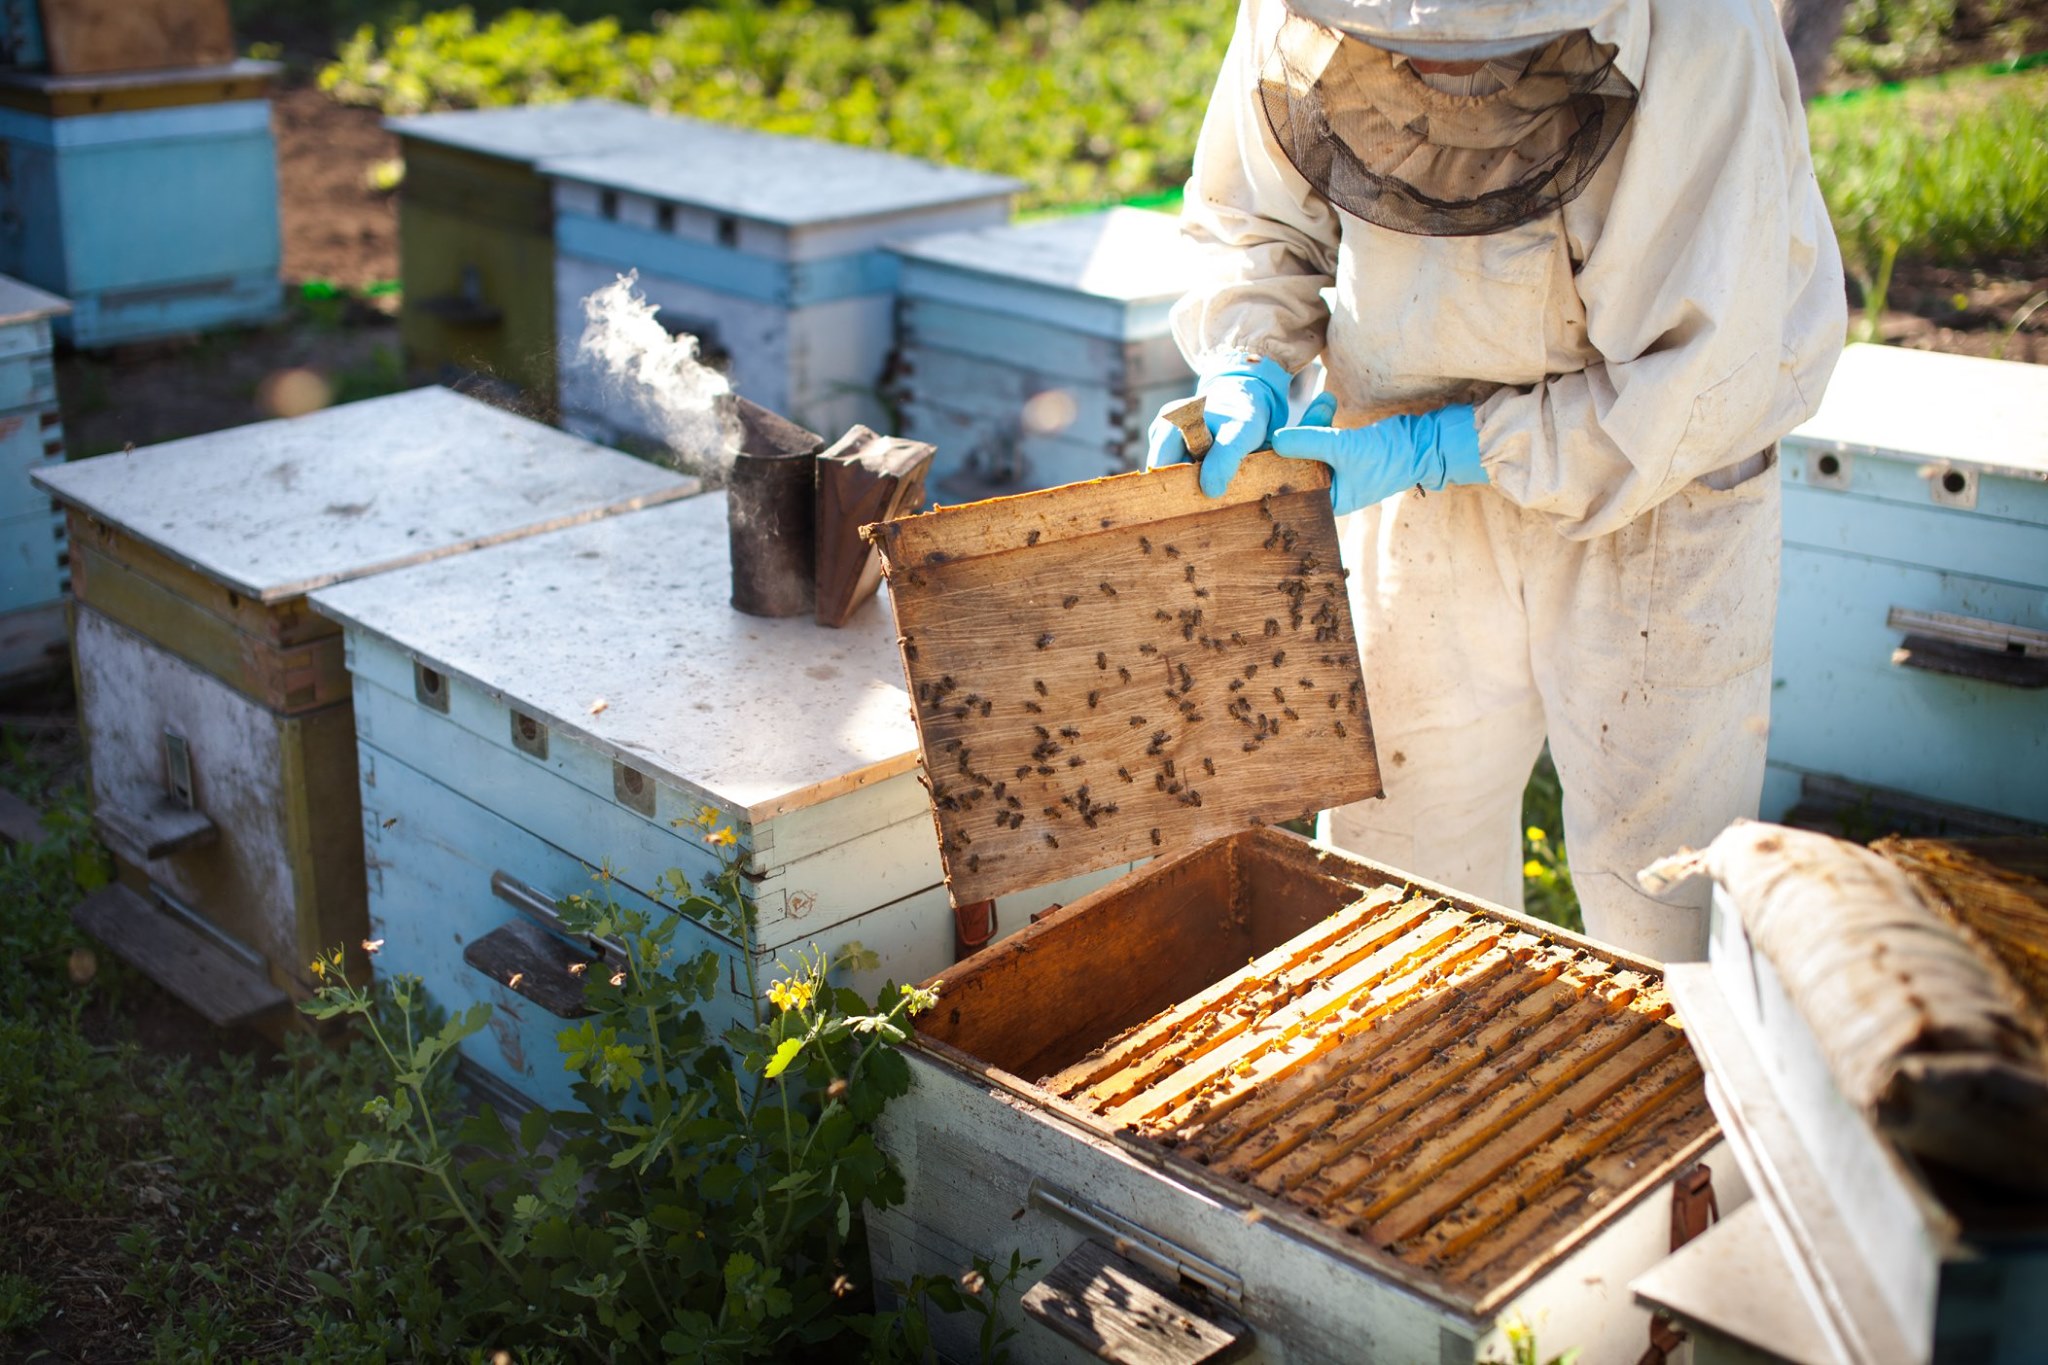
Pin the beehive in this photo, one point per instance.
(768, 249)
(536, 711)
(476, 237)
(1037, 354)
(93, 37)
(31, 532)
(216, 704)
(1912, 640)
(148, 199)
(1375, 1120)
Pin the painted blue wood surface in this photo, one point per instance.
(31, 551)
(1034, 302)
(30, 438)
(785, 284)
(21, 35)
(1910, 483)
(150, 221)
(1937, 537)
(1042, 347)
(998, 390)
(1842, 708)
(27, 380)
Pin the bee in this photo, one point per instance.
(1279, 658)
(1169, 767)
(1069, 732)
(1172, 553)
(1124, 773)
(1070, 601)
(1034, 708)
(1123, 673)
(1155, 838)
(1209, 766)
(1189, 575)
(1340, 728)
(1031, 537)
(1137, 721)
(1145, 545)
(1093, 699)
(1045, 640)
(1101, 661)
(1201, 592)
(1038, 686)
(1148, 649)
(1076, 761)
(1052, 841)
(1106, 590)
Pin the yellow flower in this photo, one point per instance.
(790, 995)
(707, 816)
(320, 968)
(1534, 834)
(1532, 869)
(722, 837)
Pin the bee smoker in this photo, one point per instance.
(772, 514)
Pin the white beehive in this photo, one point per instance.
(33, 562)
(1036, 354)
(768, 249)
(1911, 655)
(216, 708)
(531, 713)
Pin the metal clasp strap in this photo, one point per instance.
(1174, 1264)
(1693, 1210)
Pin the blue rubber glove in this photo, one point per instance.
(1372, 463)
(1242, 403)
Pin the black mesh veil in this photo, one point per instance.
(1365, 130)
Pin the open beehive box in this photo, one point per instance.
(1316, 1108)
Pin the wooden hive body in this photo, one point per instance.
(494, 781)
(1381, 1147)
(768, 249)
(191, 565)
(476, 234)
(34, 564)
(1075, 309)
(148, 199)
(1916, 525)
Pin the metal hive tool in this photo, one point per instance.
(1446, 1086)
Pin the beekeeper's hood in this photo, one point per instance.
(1379, 141)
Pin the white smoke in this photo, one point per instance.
(654, 382)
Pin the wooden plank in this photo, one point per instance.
(221, 988)
(529, 961)
(86, 37)
(281, 625)
(1104, 669)
(1122, 1312)
(145, 833)
(862, 479)
(20, 822)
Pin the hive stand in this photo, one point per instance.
(216, 704)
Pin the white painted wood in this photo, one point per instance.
(788, 181)
(528, 132)
(636, 611)
(1132, 257)
(1928, 406)
(1734, 1292)
(279, 508)
(25, 303)
(129, 692)
(1042, 346)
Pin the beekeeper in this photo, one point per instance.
(1570, 276)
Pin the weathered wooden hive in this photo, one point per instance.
(1322, 1106)
(515, 737)
(1873, 1026)
(1036, 354)
(476, 236)
(146, 198)
(216, 703)
(768, 249)
(1912, 640)
(34, 565)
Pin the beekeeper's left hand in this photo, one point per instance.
(1371, 463)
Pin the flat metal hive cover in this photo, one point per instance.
(25, 303)
(634, 612)
(773, 178)
(277, 509)
(1924, 405)
(1124, 254)
(1440, 1084)
(529, 132)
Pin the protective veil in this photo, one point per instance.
(1636, 335)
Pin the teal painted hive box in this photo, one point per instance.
(148, 199)
(768, 249)
(538, 710)
(215, 703)
(34, 564)
(21, 35)
(476, 235)
(1911, 657)
(1036, 354)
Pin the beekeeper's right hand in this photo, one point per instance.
(1244, 398)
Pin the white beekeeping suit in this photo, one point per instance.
(1610, 243)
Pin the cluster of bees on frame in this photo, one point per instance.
(1076, 754)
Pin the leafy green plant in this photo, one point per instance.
(1547, 889)
(702, 1205)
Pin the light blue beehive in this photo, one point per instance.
(1036, 354)
(149, 199)
(32, 557)
(769, 249)
(1912, 642)
(539, 709)
(21, 35)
